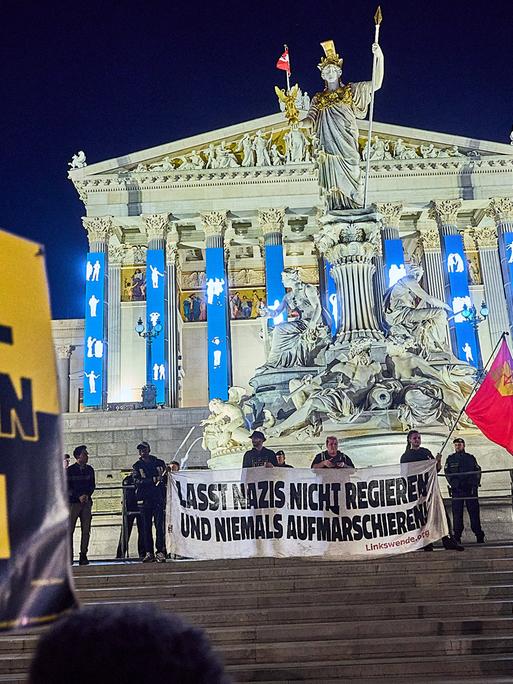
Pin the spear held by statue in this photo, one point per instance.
(378, 17)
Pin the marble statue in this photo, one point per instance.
(78, 160)
(429, 151)
(197, 160)
(333, 115)
(185, 163)
(225, 159)
(298, 341)
(277, 157)
(260, 148)
(414, 315)
(141, 168)
(402, 151)
(305, 104)
(296, 146)
(225, 427)
(165, 165)
(246, 146)
(211, 157)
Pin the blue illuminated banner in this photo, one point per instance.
(331, 301)
(155, 308)
(217, 324)
(94, 349)
(466, 342)
(393, 258)
(274, 287)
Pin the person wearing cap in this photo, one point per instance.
(259, 455)
(150, 490)
(464, 477)
(332, 457)
(280, 457)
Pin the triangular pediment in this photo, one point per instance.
(195, 154)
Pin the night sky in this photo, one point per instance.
(115, 77)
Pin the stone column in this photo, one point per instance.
(98, 229)
(433, 275)
(64, 352)
(388, 254)
(218, 322)
(157, 360)
(172, 302)
(501, 210)
(350, 248)
(116, 253)
(272, 222)
(463, 334)
(486, 239)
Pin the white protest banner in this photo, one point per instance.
(285, 512)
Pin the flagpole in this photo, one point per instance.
(377, 23)
(477, 382)
(288, 70)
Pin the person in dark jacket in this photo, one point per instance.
(332, 457)
(464, 477)
(259, 455)
(413, 453)
(131, 514)
(81, 485)
(150, 489)
(280, 458)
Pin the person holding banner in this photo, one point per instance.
(415, 452)
(332, 457)
(259, 455)
(280, 457)
(81, 485)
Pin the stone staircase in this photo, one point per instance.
(438, 617)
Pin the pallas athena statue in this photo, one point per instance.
(333, 113)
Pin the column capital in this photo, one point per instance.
(271, 220)
(64, 351)
(445, 212)
(391, 212)
(500, 209)
(156, 225)
(116, 254)
(214, 223)
(98, 228)
(485, 236)
(429, 236)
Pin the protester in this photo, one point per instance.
(81, 485)
(150, 490)
(259, 455)
(130, 644)
(131, 514)
(415, 452)
(464, 477)
(332, 457)
(280, 457)
(66, 460)
(174, 466)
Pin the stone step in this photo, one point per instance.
(181, 599)
(456, 669)
(303, 631)
(170, 571)
(329, 650)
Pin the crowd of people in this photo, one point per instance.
(144, 490)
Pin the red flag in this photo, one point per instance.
(284, 62)
(491, 408)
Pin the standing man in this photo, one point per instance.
(259, 455)
(464, 477)
(81, 485)
(150, 490)
(280, 457)
(332, 457)
(413, 453)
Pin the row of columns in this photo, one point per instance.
(162, 238)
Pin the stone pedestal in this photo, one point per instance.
(350, 242)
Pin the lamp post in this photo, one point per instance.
(149, 391)
(475, 319)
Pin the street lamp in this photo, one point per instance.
(149, 391)
(475, 319)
